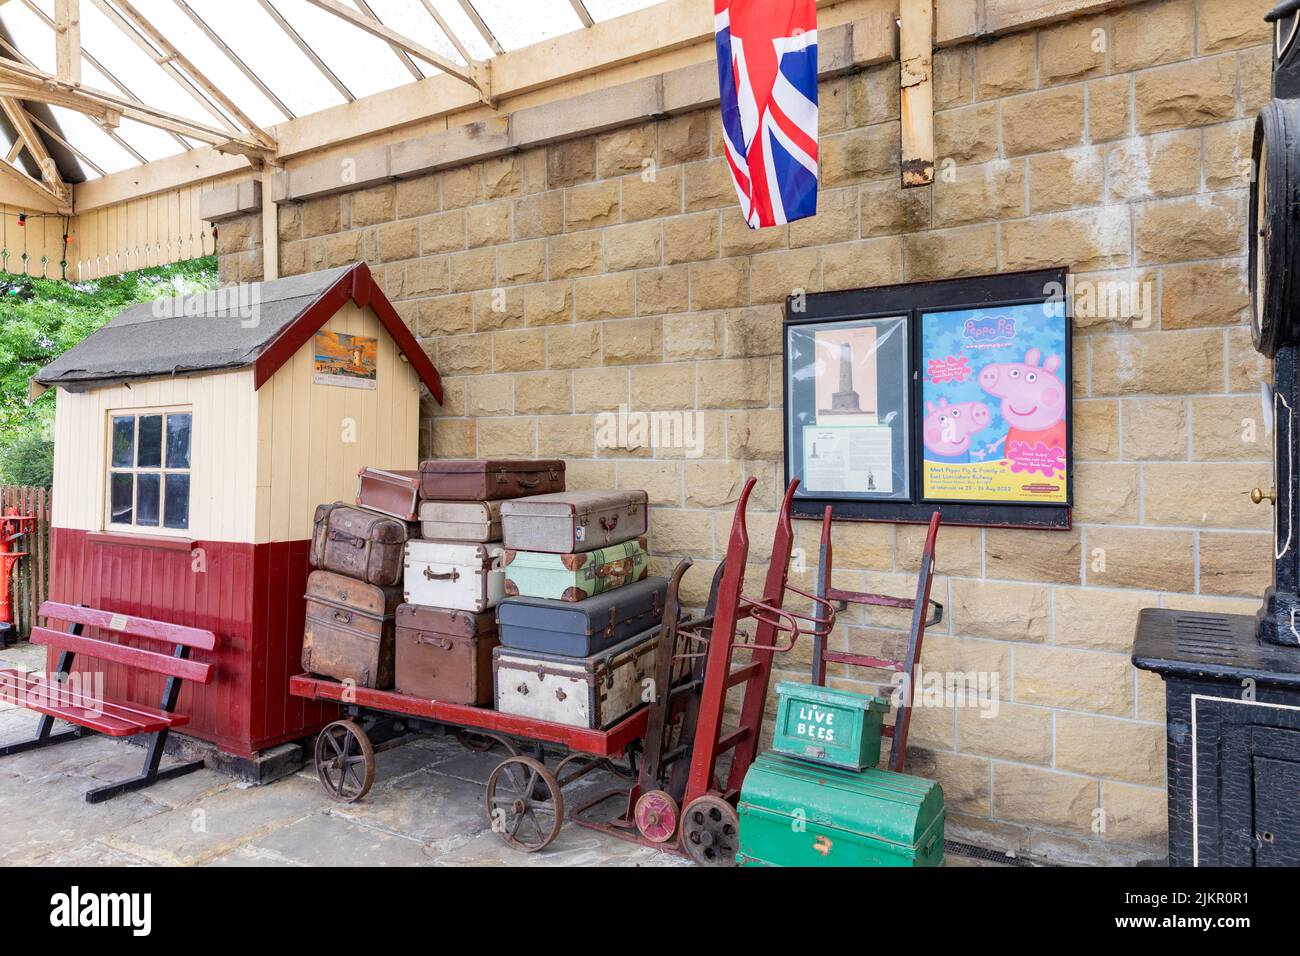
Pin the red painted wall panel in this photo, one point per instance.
(250, 596)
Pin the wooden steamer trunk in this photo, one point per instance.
(349, 632)
(593, 692)
(574, 577)
(445, 655)
(454, 574)
(574, 520)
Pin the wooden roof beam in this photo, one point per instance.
(67, 41)
(121, 87)
(580, 9)
(445, 27)
(22, 123)
(28, 83)
(60, 204)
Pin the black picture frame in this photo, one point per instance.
(913, 301)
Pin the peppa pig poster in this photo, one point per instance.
(996, 403)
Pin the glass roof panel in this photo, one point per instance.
(269, 52)
(412, 20)
(464, 28)
(189, 38)
(365, 63)
(516, 24)
(130, 64)
(609, 9)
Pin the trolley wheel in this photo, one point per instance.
(656, 816)
(524, 803)
(345, 761)
(482, 743)
(710, 831)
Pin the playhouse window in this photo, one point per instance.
(149, 470)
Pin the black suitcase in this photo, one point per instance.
(583, 628)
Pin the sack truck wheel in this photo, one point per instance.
(345, 761)
(524, 803)
(711, 831)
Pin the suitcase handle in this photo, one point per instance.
(452, 575)
(524, 482)
(440, 642)
(609, 524)
(343, 617)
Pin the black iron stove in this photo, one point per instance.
(1232, 682)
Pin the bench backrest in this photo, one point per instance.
(136, 657)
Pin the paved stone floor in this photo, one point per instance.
(426, 809)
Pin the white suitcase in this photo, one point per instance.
(461, 520)
(454, 574)
(594, 692)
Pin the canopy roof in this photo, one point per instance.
(179, 74)
(260, 324)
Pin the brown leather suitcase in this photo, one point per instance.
(395, 493)
(484, 479)
(360, 543)
(445, 655)
(350, 629)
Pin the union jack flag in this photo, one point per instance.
(767, 77)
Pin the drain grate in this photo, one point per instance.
(973, 852)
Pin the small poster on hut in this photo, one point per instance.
(995, 393)
(347, 360)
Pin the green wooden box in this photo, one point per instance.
(574, 577)
(794, 813)
(836, 727)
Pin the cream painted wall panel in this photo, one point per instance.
(222, 457)
(313, 439)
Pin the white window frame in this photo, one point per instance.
(135, 470)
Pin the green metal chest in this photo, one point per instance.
(835, 727)
(794, 813)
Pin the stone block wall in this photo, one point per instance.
(559, 283)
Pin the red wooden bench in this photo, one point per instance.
(60, 697)
(919, 606)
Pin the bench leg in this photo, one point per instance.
(41, 740)
(146, 779)
(149, 776)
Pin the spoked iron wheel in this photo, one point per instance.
(482, 743)
(710, 831)
(525, 807)
(345, 761)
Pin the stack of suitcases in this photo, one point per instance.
(579, 629)
(479, 582)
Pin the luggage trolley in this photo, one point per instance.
(680, 731)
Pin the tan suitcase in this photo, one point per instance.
(350, 629)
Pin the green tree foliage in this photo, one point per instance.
(42, 318)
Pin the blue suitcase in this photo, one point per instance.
(582, 628)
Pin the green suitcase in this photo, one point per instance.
(574, 577)
(794, 813)
(836, 727)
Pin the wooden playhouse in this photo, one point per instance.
(194, 438)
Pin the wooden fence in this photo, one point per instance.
(31, 578)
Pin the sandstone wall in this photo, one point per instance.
(556, 284)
